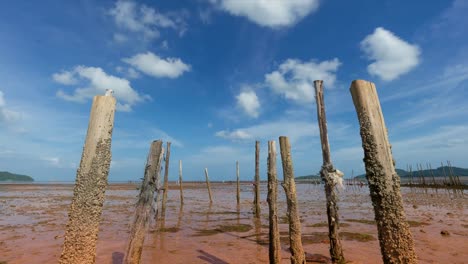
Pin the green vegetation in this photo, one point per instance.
(8, 176)
(315, 178)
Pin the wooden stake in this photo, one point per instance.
(396, 241)
(295, 241)
(238, 182)
(208, 185)
(257, 180)
(180, 184)
(145, 204)
(330, 177)
(166, 180)
(85, 211)
(274, 235)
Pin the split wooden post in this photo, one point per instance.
(238, 182)
(85, 211)
(330, 177)
(295, 241)
(208, 185)
(274, 235)
(166, 180)
(180, 183)
(144, 205)
(257, 180)
(396, 241)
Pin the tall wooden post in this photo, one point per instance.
(274, 235)
(396, 241)
(166, 180)
(145, 204)
(85, 211)
(180, 183)
(257, 180)
(295, 241)
(208, 185)
(238, 182)
(330, 177)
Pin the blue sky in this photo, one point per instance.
(213, 76)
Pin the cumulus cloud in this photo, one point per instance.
(295, 79)
(269, 13)
(153, 65)
(64, 77)
(249, 103)
(145, 20)
(295, 130)
(96, 81)
(392, 55)
(7, 115)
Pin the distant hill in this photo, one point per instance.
(8, 176)
(439, 172)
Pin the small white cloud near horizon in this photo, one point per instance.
(249, 103)
(294, 79)
(7, 115)
(133, 17)
(238, 134)
(269, 13)
(153, 65)
(97, 83)
(392, 55)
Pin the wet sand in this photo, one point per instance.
(33, 219)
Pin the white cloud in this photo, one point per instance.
(132, 17)
(7, 115)
(269, 13)
(248, 102)
(392, 55)
(120, 38)
(97, 83)
(58, 162)
(156, 66)
(65, 78)
(295, 130)
(295, 79)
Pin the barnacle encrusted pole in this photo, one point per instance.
(166, 180)
(295, 241)
(145, 202)
(274, 235)
(396, 241)
(85, 211)
(208, 185)
(257, 180)
(331, 177)
(238, 183)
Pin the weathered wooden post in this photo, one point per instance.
(238, 183)
(166, 180)
(145, 202)
(180, 184)
(208, 185)
(85, 211)
(274, 235)
(396, 241)
(257, 180)
(331, 177)
(295, 241)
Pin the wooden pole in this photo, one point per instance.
(145, 204)
(330, 177)
(257, 180)
(208, 185)
(396, 241)
(238, 182)
(180, 183)
(166, 180)
(295, 241)
(274, 235)
(85, 211)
